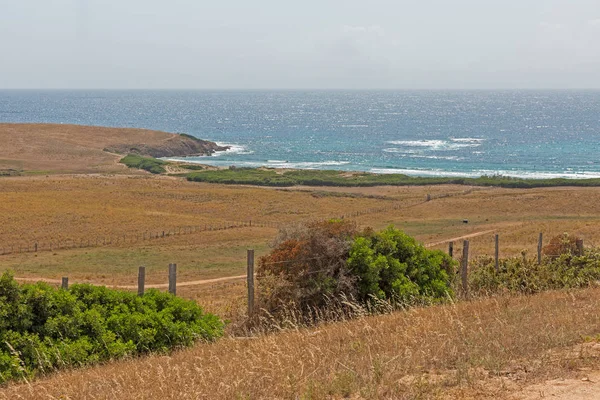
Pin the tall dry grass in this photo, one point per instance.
(472, 349)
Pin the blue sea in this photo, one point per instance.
(423, 133)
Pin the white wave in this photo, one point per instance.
(233, 149)
(467, 140)
(402, 151)
(425, 172)
(305, 164)
(418, 143)
(419, 154)
(438, 145)
(479, 173)
(451, 158)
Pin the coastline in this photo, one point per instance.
(416, 173)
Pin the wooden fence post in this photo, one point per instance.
(579, 244)
(141, 280)
(173, 279)
(451, 249)
(497, 253)
(539, 248)
(65, 283)
(250, 280)
(465, 268)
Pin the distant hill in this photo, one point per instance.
(54, 148)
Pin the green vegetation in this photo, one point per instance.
(271, 177)
(392, 265)
(560, 268)
(193, 167)
(185, 135)
(9, 172)
(149, 164)
(314, 263)
(43, 328)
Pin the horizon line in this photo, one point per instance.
(302, 89)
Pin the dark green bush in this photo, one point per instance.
(392, 265)
(43, 328)
(149, 164)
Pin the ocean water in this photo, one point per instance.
(422, 133)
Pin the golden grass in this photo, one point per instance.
(481, 349)
(62, 209)
(52, 148)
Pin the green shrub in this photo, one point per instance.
(315, 265)
(43, 328)
(392, 265)
(149, 164)
(524, 275)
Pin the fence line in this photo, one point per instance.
(102, 241)
(250, 271)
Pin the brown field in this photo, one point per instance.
(50, 148)
(75, 210)
(474, 349)
(506, 347)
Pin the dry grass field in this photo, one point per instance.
(488, 349)
(480, 349)
(51, 148)
(82, 209)
(75, 209)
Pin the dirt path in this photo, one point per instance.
(150, 286)
(456, 239)
(585, 388)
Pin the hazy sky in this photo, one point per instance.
(300, 44)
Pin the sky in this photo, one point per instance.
(308, 44)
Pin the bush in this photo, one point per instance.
(392, 265)
(43, 328)
(312, 265)
(525, 276)
(561, 244)
(149, 164)
(307, 265)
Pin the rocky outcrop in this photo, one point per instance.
(176, 146)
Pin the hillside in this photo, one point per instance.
(505, 347)
(48, 148)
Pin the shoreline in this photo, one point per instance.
(415, 173)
